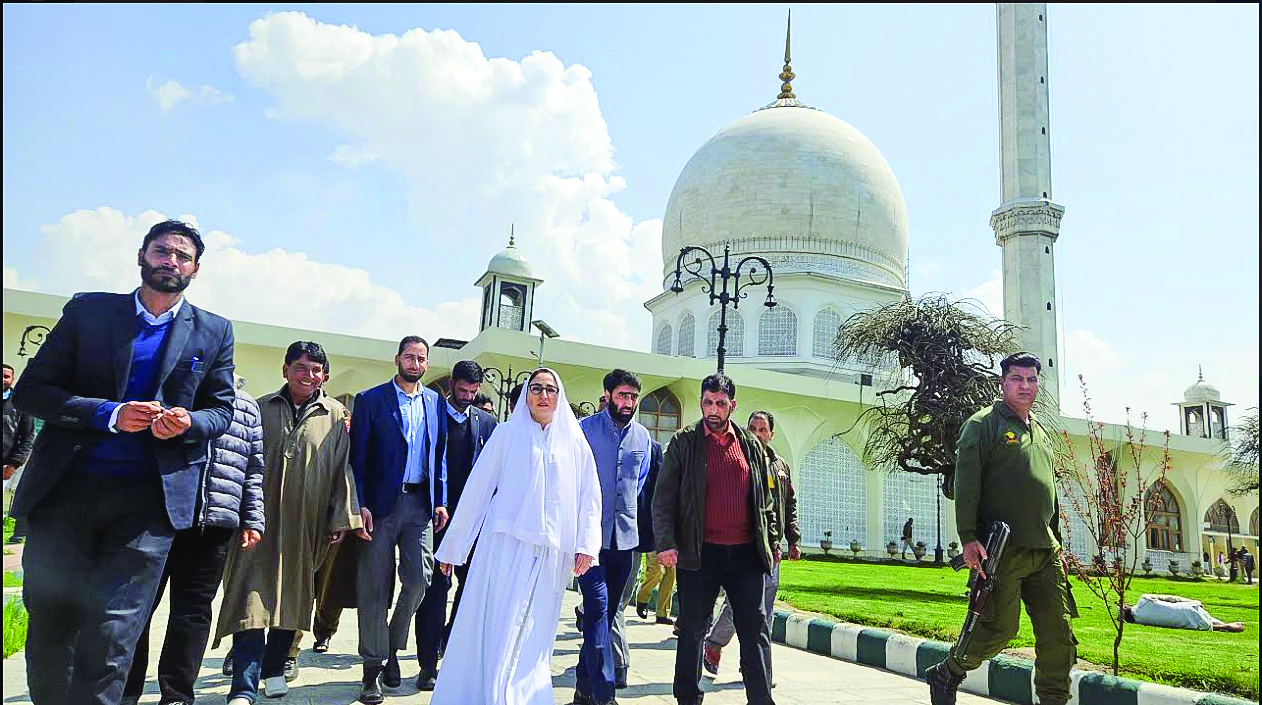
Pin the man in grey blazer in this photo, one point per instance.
(131, 388)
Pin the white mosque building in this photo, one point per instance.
(813, 197)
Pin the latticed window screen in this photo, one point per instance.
(827, 322)
(1253, 523)
(907, 494)
(687, 335)
(1221, 518)
(1076, 534)
(512, 306)
(778, 332)
(660, 414)
(1165, 532)
(833, 494)
(735, 339)
(663, 340)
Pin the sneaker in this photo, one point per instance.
(227, 664)
(942, 684)
(581, 699)
(710, 659)
(322, 644)
(578, 619)
(642, 609)
(275, 687)
(665, 620)
(291, 668)
(239, 700)
(391, 677)
(620, 678)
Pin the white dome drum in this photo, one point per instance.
(798, 186)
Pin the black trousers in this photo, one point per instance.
(93, 560)
(739, 571)
(194, 568)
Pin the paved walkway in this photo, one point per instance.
(333, 678)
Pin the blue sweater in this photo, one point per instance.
(131, 454)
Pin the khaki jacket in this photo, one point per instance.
(679, 498)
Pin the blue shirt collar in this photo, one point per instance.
(8, 393)
(420, 390)
(456, 415)
(153, 320)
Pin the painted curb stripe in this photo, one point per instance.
(778, 624)
(1100, 689)
(819, 637)
(795, 630)
(900, 654)
(978, 680)
(1010, 679)
(930, 653)
(1216, 699)
(1157, 694)
(846, 641)
(872, 647)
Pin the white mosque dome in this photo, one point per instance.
(1202, 391)
(802, 188)
(510, 262)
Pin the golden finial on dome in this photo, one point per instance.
(787, 75)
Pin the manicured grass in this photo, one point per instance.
(9, 525)
(12, 579)
(929, 602)
(14, 627)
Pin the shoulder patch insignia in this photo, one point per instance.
(1011, 437)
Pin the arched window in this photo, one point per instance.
(1253, 523)
(827, 322)
(512, 306)
(778, 332)
(734, 341)
(833, 494)
(440, 385)
(1165, 528)
(1222, 518)
(910, 495)
(660, 414)
(663, 340)
(687, 334)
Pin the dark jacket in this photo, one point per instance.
(679, 498)
(644, 512)
(379, 452)
(86, 360)
(786, 499)
(481, 424)
(232, 486)
(19, 434)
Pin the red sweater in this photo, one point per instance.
(727, 519)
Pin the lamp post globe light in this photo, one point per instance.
(758, 273)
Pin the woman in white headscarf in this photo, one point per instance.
(533, 504)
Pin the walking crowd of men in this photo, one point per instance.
(155, 472)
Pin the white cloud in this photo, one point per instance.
(13, 281)
(170, 94)
(988, 294)
(97, 252)
(352, 157)
(481, 142)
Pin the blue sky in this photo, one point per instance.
(356, 178)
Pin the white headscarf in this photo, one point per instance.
(536, 484)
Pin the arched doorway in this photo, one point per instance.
(1222, 518)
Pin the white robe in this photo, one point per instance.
(534, 499)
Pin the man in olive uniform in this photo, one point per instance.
(1003, 473)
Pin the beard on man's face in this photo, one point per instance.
(622, 415)
(166, 280)
(409, 377)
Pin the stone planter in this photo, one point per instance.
(919, 550)
(891, 548)
(826, 545)
(855, 547)
(1173, 567)
(953, 549)
(1147, 566)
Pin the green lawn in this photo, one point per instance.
(12, 579)
(929, 602)
(14, 627)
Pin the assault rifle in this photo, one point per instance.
(982, 587)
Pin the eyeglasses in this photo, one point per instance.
(547, 390)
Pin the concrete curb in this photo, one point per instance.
(1002, 677)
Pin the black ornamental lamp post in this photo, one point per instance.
(502, 383)
(34, 335)
(587, 408)
(937, 552)
(755, 270)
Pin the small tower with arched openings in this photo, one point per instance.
(508, 290)
(1203, 413)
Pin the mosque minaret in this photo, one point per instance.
(1027, 223)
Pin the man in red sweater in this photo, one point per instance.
(714, 517)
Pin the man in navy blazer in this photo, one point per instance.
(468, 430)
(131, 388)
(398, 455)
